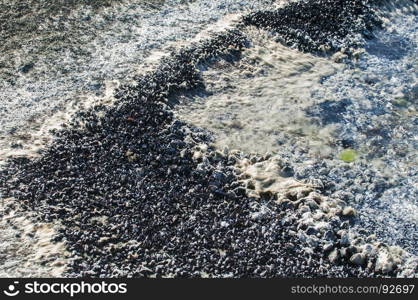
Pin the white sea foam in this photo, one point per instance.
(77, 52)
(307, 109)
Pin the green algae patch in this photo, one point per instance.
(401, 102)
(348, 155)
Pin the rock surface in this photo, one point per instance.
(137, 192)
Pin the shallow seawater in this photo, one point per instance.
(60, 57)
(311, 110)
(256, 102)
(348, 125)
(83, 49)
(381, 123)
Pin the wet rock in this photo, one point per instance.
(311, 231)
(328, 247)
(330, 236)
(344, 238)
(26, 68)
(316, 26)
(334, 256)
(348, 211)
(384, 263)
(358, 259)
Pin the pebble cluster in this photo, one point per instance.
(318, 26)
(322, 223)
(141, 194)
(372, 107)
(83, 49)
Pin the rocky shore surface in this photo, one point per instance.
(134, 190)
